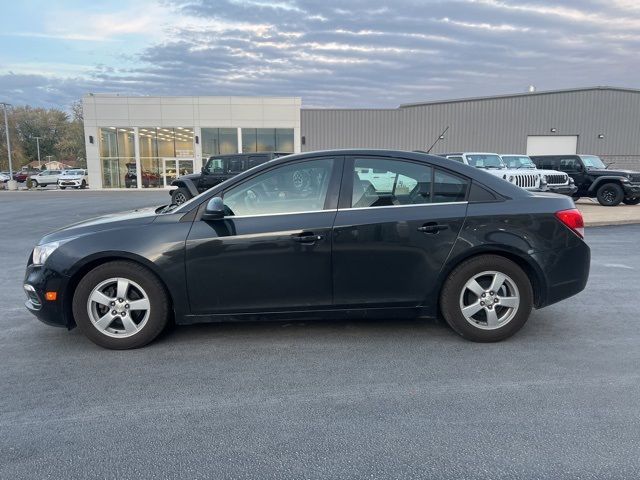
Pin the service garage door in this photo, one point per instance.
(552, 144)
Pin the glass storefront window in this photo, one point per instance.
(219, 141)
(267, 140)
(284, 140)
(166, 142)
(117, 154)
(183, 141)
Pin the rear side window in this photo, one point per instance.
(385, 182)
(569, 164)
(256, 160)
(448, 187)
(235, 165)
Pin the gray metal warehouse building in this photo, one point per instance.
(603, 121)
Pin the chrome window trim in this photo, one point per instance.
(404, 206)
(231, 217)
(282, 213)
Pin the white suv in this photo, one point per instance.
(47, 177)
(493, 164)
(76, 178)
(557, 182)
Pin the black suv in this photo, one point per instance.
(217, 169)
(594, 179)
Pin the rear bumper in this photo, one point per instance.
(562, 189)
(566, 272)
(37, 281)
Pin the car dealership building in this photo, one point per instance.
(154, 139)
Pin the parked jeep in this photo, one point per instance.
(217, 169)
(493, 164)
(557, 182)
(594, 179)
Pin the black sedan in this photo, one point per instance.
(349, 233)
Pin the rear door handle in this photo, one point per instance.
(432, 227)
(306, 237)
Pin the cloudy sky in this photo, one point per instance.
(333, 53)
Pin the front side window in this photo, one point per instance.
(592, 161)
(215, 165)
(297, 187)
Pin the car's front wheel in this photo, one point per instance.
(121, 305)
(180, 195)
(631, 201)
(487, 298)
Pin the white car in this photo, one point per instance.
(76, 178)
(46, 177)
(557, 182)
(4, 177)
(492, 163)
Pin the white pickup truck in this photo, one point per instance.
(492, 163)
(557, 182)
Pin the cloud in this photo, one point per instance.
(361, 53)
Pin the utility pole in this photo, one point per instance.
(6, 131)
(38, 144)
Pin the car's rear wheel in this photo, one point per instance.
(180, 195)
(487, 298)
(631, 201)
(34, 183)
(610, 195)
(120, 305)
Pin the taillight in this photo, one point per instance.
(572, 219)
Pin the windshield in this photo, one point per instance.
(517, 161)
(481, 160)
(592, 161)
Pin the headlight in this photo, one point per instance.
(42, 252)
(625, 180)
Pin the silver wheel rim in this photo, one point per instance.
(118, 307)
(489, 300)
(179, 198)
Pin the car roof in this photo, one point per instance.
(248, 153)
(513, 155)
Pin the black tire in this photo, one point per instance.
(83, 185)
(631, 201)
(61, 188)
(180, 195)
(158, 314)
(454, 287)
(610, 195)
(34, 183)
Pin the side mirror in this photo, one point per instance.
(214, 210)
(579, 168)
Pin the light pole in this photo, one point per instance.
(6, 131)
(38, 144)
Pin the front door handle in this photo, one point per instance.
(432, 227)
(306, 237)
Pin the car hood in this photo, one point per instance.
(602, 171)
(139, 216)
(71, 177)
(191, 176)
(549, 172)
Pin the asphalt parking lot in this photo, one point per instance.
(342, 399)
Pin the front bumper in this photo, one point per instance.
(37, 281)
(69, 183)
(562, 189)
(631, 190)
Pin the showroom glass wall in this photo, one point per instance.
(117, 155)
(168, 152)
(267, 140)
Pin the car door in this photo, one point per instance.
(52, 178)
(272, 252)
(572, 166)
(388, 247)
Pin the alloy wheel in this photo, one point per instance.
(118, 307)
(179, 198)
(489, 300)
